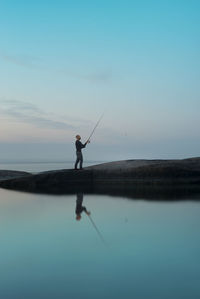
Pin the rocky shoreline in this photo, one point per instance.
(12, 174)
(113, 177)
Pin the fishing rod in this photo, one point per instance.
(97, 230)
(95, 126)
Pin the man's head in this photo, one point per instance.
(78, 217)
(78, 137)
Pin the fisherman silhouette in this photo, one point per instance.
(79, 156)
(79, 206)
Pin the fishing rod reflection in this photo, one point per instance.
(79, 206)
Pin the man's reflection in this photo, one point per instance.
(79, 206)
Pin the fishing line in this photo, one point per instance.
(95, 126)
(97, 230)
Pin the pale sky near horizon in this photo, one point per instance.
(64, 63)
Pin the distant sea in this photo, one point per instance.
(35, 167)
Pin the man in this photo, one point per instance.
(79, 207)
(79, 156)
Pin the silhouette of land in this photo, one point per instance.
(10, 174)
(142, 178)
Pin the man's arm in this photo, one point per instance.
(86, 211)
(84, 145)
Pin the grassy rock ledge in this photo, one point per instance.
(115, 176)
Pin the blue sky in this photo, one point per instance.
(63, 63)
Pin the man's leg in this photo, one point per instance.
(77, 160)
(81, 160)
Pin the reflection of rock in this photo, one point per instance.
(10, 174)
(130, 176)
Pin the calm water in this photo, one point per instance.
(149, 249)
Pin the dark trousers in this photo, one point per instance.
(79, 158)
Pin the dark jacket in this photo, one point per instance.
(79, 145)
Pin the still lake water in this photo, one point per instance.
(151, 249)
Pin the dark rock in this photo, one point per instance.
(9, 174)
(133, 176)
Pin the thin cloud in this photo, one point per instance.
(99, 76)
(24, 61)
(30, 113)
(93, 77)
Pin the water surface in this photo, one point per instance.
(151, 249)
